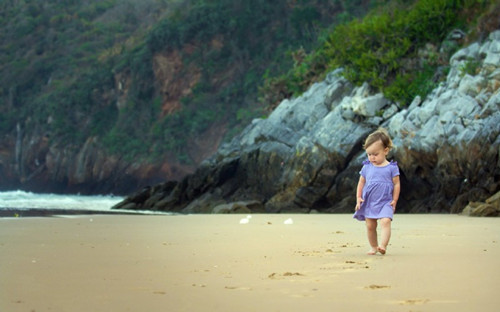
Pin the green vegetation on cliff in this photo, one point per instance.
(76, 69)
(71, 70)
(232, 44)
(382, 49)
(57, 60)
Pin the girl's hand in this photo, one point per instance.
(359, 200)
(393, 204)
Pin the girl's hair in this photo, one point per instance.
(382, 135)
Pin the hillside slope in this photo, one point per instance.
(107, 96)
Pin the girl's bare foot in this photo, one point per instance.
(381, 250)
(372, 252)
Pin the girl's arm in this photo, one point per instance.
(359, 192)
(395, 192)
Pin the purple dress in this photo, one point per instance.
(377, 192)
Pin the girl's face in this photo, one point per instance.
(377, 153)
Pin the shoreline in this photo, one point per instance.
(215, 263)
(8, 213)
(36, 212)
(56, 212)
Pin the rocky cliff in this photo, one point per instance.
(39, 166)
(30, 160)
(307, 154)
(109, 96)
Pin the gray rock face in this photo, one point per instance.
(307, 154)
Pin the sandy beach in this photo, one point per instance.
(215, 263)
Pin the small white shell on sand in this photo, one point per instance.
(288, 221)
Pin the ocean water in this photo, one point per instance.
(19, 203)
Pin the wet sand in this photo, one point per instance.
(215, 263)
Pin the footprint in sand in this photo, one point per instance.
(315, 253)
(351, 266)
(373, 286)
(310, 253)
(237, 288)
(357, 265)
(286, 274)
(199, 285)
(413, 301)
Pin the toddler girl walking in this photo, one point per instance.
(378, 190)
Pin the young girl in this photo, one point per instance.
(378, 190)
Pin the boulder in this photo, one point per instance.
(479, 209)
(489, 208)
(494, 201)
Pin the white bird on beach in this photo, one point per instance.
(288, 221)
(245, 220)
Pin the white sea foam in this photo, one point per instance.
(27, 200)
(20, 200)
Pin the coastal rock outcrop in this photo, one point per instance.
(489, 208)
(307, 154)
(44, 166)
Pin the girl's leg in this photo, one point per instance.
(385, 236)
(371, 229)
